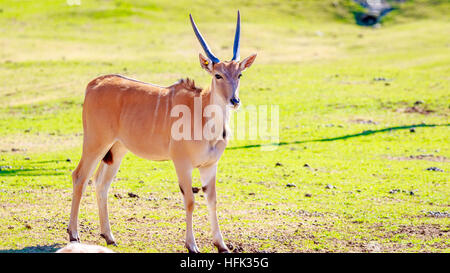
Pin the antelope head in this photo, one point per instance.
(226, 74)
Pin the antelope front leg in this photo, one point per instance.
(184, 173)
(208, 177)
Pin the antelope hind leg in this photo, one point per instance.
(80, 176)
(103, 178)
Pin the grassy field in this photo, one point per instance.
(364, 112)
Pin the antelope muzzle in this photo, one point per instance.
(235, 102)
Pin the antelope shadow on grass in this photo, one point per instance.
(32, 172)
(364, 133)
(34, 168)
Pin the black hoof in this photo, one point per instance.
(108, 241)
(73, 239)
(221, 249)
(193, 249)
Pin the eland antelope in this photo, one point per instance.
(122, 114)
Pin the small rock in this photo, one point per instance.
(278, 164)
(377, 79)
(411, 193)
(28, 226)
(5, 168)
(195, 189)
(308, 195)
(412, 130)
(364, 121)
(438, 214)
(251, 193)
(434, 169)
(394, 191)
(133, 195)
(418, 102)
(306, 165)
(118, 196)
(27, 158)
(291, 185)
(141, 181)
(68, 160)
(329, 186)
(234, 249)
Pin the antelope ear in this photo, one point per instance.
(247, 62)
(206, 63)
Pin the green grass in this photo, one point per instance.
(313, 61)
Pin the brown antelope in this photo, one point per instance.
(121, 115)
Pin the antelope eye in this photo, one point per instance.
(240, 75)
(218, 76)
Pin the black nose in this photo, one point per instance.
(235, 101)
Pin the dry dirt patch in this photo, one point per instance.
(424, 231)
(416, 109)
